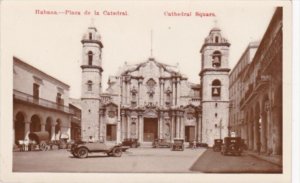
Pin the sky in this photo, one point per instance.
(52, 42)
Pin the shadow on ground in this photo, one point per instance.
(215, 162)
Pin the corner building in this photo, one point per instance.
(150, 99)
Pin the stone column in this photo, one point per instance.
(163, 93)
(27, 130)
(199, 128)
(182, 135)
(53, 130)
(177, 125)
(139, 91)
(123, 125)
(161, 128)
(178, 91)
(43, 126)
(128, 93)
(160, 92)
(173, 92)
(101, 123)
(140, 121)
(256, 133)
(172, 126)
(277, 125)
(128, 125)
(263, 137)
(123, 91)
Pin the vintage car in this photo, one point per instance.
(161, 143)
(178, 145)
(217, 145)
(232, 145)
(131, 142)
(198, 144)
(82, 149)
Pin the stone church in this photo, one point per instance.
(151, 100)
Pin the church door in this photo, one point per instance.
(150, 129)
(189, 133)
(111, 132)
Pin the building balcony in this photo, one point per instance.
(261, 82)
(30, 99)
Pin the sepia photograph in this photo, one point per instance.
(155, 90)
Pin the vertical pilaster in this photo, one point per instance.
(173, 92)
(178, 91)
(123, 125)
(172, 126)
(161, 127)
(182, 135)
(141, 127)
(128, 124)
(101, 124)
(163, 94)
(177, 125)
(139, 91)
(199, 133)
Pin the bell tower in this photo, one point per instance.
(91, 85)
(214, 78)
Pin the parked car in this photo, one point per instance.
(82, 149)
(131, 142)
(232, 145)
(217, 145)
(198, 144)
(178, 145)
(161, 143)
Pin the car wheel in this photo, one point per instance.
(117, 152)
(82, 153)
(43, 146)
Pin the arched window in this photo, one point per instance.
(216, 57)
(90, 36)
(89, 84)
(90, 57)
(216, 88)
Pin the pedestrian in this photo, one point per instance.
(194, 144)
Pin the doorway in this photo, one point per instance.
(189, 133)
(111, 132)
(150, 129)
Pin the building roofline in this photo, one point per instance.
(21, 62)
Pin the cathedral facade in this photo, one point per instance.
(151, 100)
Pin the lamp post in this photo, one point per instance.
(220, 126)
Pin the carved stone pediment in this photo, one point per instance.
(150, 113)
